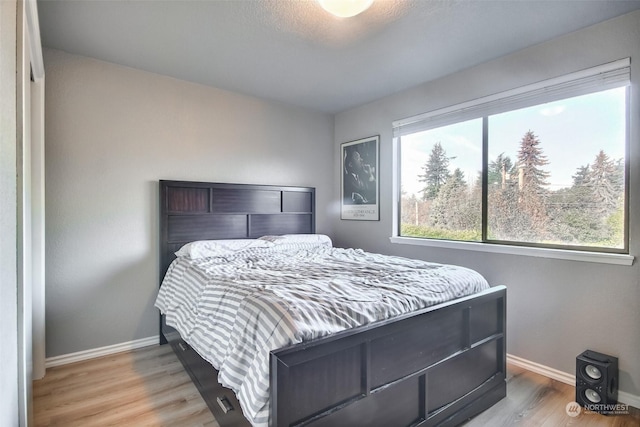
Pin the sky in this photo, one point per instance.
(571, 133)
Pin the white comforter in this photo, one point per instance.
(234, 309)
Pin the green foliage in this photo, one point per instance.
(532, 182)
(615, 222)
(500, 170)
(602, 181)
(436, 172)
(449, 204)
(412, 230)
(530, 160)
(520, 206)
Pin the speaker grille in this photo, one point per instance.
(592, 396)
(596, 379)
(593, 372)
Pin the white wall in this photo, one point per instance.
(9, 415)
(111, 133)
(24, 225)
(556, 309)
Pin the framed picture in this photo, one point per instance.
(359, 184)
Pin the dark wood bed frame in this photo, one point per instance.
(438, 366)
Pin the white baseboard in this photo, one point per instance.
(548, 372)
(98, 352)
(623, 397)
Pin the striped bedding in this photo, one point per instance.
(233, 309)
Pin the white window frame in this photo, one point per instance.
(602, 77)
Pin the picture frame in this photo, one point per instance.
(359, 185)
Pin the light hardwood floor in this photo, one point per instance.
(149, 387)
(537, 401)
(145, 387)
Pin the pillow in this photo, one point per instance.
(319, 239)
(209, 248)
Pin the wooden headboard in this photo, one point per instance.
(205, 211)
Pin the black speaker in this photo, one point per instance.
(596, 381)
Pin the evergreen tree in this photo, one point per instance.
(618, 180)
(571, 216)
(451, 203)
(457, 179)
(581, 176)
(532, 180)
(505, 220)
(588, 212)
(603, 181)
(436, 172)
(530, 161)
(500, 171)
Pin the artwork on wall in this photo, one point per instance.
(360, 189)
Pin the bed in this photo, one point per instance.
(439, 365)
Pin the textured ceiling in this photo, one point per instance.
(292, 51)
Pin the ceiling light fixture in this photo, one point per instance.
(345, 8)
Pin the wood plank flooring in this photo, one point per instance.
(149, 387)
(145, 387)
(537, 401)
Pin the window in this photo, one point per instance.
(542, 166)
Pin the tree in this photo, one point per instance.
(500, 171)
(590, 212)
(532, 180)
(602, 183)
(449, 205)
(505, 221)
(530, 161)
(619, 178)
(436, 172)
(581, 176)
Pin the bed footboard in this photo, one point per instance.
(438, 366)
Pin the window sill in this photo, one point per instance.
(564, 254)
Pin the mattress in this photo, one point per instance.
(234, 308)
